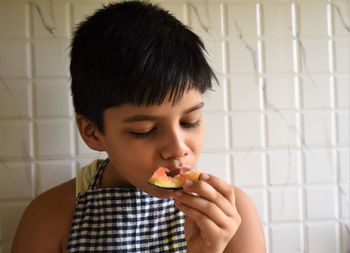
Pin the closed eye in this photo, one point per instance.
(151, 132)
(143, 134)
(191, 124)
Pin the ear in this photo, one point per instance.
(90, 134)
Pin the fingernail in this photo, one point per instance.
(188, 183)
(204, 176)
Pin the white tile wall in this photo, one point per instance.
(16, 139)
(306, 24)
(217, 164)
(287, 238)
(344, 202)
(51, 57)
(278, 55)
(319, 166)
(316, 90)
(317, 128)
(344, 165)
(55, 16)
(316, 197)
(241, 54)
(248, 169)
(280, 91)
(48, 141)
(285, 204)
(13, 175)
(281, 129)
(82, 9)
(53, 173)
(281, 110)
(344, 231)
(342, 91)
(244, 93)
(15, 98)
(283, 167)
(14, 58)
(328, 231)
(209, 25)
(276, 11)
(52, 98)
(341, 55)
(12, 26)
(246, 129)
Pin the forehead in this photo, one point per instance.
(188, 100)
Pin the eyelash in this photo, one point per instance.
(150, 132)
(191, 125)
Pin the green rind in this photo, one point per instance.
(164, 185)
(170, 187)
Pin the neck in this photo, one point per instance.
(112, 179)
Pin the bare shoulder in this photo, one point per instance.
(46, 222)
(249, 237)
(243, 202)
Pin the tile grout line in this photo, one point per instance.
(259, 70)
(31, 72)
(334, 125)
(227, 89)
(298, 117)
(73, 129)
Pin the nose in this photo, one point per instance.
(174, 145)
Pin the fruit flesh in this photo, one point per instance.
(164, 178)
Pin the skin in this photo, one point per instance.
(219, 217)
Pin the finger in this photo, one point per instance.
(226, 189)
(207, 191)
(210, 209)
(208, 228)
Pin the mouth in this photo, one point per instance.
(172, 178)
(177, 171)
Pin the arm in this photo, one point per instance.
(249, 237)
(46, 222)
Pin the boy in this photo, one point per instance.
(138, 76)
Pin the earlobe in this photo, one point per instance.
(90, 134)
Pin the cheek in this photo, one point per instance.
(197, 141)
(130, 154)
(126, 151)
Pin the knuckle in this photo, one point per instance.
(217, 195)
(196, 215)
(231, 192)
(227, 234)
(233, 224)
(237, 221)
(210, 207)
(200, 186)
(228, 191)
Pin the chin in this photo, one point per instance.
(160, 193)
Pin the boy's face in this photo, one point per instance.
(139, 139)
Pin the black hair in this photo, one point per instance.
(134, 52)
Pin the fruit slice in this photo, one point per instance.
(174, 179)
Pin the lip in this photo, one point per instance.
(177, 171)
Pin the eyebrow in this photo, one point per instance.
(144, 117)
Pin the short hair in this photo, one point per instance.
(137, 53)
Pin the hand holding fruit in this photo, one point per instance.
(211, 215)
